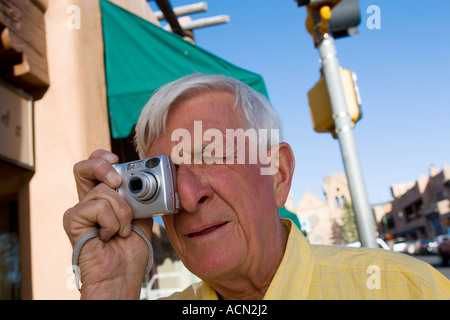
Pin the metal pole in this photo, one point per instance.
(170, 16)
(184, 10)
(344, 129)
(202, 23)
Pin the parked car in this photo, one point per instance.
(444, 250)
(380, 242)
(437, 241)
(424, 246)
(410, 247)
(399, 245)
(434, 247)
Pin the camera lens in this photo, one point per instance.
(143, 186)
(136, 185)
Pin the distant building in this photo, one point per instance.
(380, 211)
(319, 218)
(419, 209)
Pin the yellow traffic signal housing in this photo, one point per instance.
(320, 107)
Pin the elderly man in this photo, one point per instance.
(227, 231)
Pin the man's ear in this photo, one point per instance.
(285, 165)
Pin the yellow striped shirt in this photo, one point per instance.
(336, 272)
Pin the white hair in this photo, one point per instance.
(256, 110)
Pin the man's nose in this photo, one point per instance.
(193, 187)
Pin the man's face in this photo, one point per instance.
(228, 216)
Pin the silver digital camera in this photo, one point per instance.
(149, 186)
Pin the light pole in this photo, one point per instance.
(318, 24)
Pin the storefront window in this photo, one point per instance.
(9, 251)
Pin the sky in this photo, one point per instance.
(403, 73)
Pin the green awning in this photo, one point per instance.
(141, 57)
(285, 213)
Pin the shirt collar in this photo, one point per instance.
(293, 277)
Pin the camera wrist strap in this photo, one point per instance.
(96, 233)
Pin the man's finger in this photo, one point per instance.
(89, 173)
(103, 154)
(120, 208)
(77, 223)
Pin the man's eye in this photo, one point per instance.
(213, 160)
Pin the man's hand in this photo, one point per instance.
(113, 265)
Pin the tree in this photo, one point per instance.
(348, 229)
(344, 229)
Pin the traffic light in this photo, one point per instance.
(345, 16)
(319, 102)
(317, 2)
